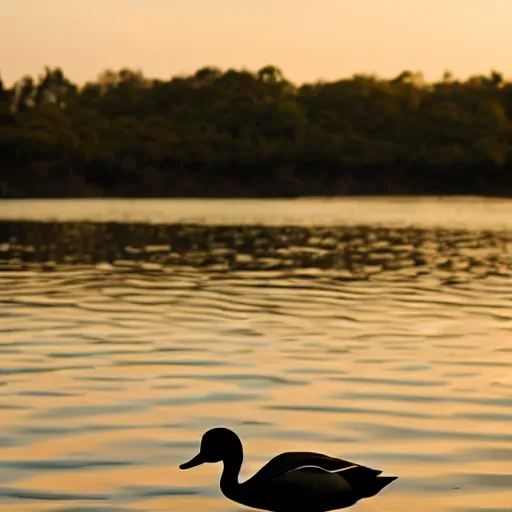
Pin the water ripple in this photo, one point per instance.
(122, 344)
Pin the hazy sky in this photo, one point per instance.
(307, 39)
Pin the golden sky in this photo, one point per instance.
(307, 39)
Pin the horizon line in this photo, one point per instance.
(184, 74)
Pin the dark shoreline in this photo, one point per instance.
(204, 186)
(277, 197)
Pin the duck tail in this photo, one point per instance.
(374, 487)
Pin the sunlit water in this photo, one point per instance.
(122, 343)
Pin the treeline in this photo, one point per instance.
(239, 133)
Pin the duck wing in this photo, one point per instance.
(310, 481)
(318, 490)
(308, 461)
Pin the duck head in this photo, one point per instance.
(218, 444)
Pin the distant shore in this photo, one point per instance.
(233, 134)
(363, 183)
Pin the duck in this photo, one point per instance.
(305, 481)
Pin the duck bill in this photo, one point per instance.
(192, 463)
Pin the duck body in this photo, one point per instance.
(305, 481)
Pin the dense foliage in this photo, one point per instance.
(237, 133)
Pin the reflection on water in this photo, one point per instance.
(338, 252)
(122, 344)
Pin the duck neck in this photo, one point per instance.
(232, 465)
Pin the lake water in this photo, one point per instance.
(378, 330)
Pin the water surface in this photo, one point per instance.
(121, 343)
(460, 212)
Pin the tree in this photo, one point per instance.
(53, 88)
(238, 132)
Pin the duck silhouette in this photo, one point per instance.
(309, 482)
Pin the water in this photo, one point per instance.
(389, 345)
(461, 212)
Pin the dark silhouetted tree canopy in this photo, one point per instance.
(239, 133)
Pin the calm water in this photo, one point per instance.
(387, 342)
